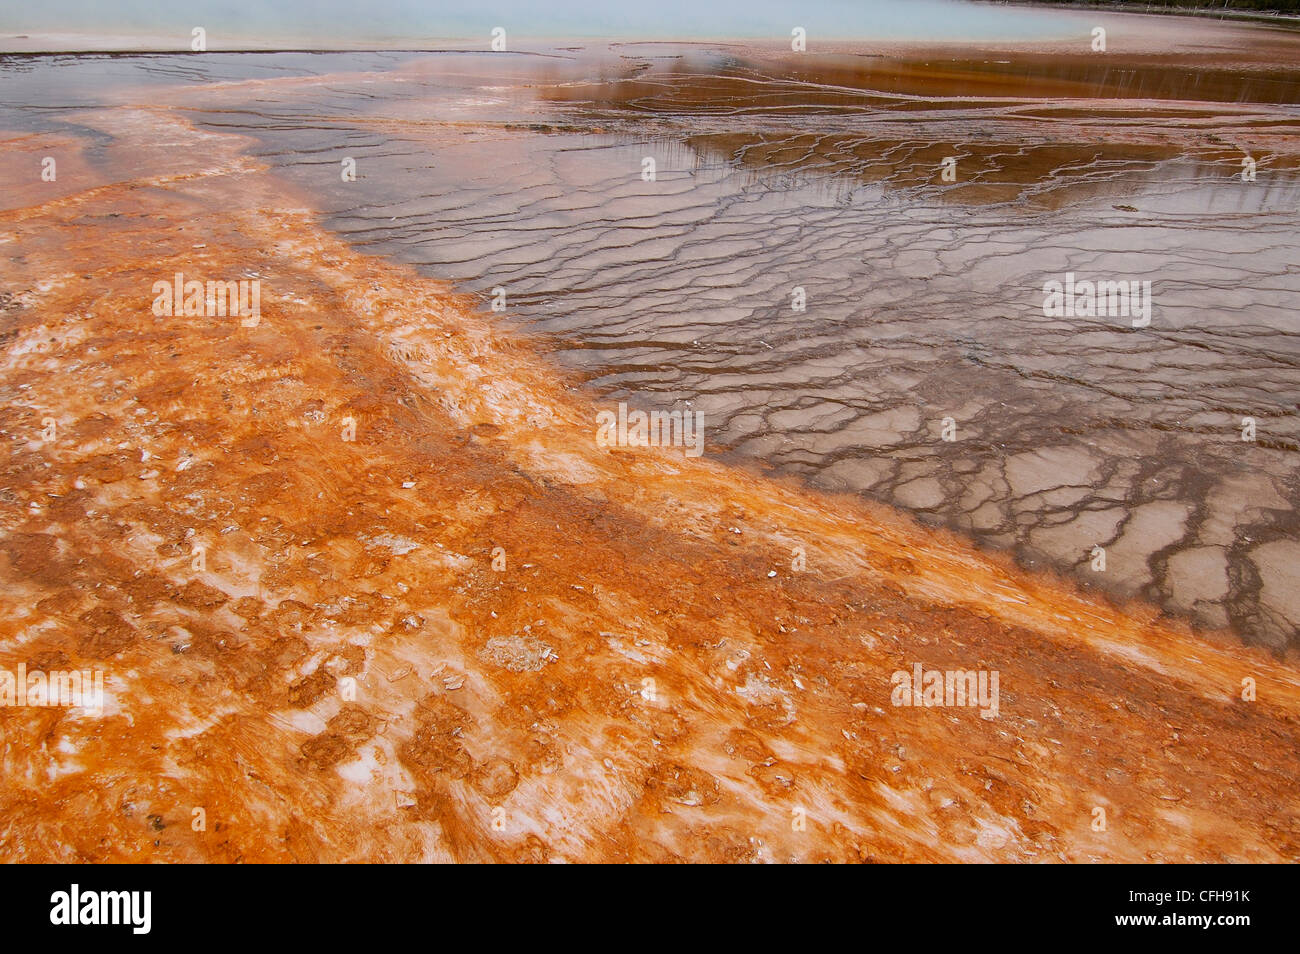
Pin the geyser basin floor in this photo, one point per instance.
(646, 678)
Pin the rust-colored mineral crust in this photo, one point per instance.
(313, 649)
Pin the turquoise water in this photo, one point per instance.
(325, 24)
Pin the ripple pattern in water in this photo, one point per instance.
(924, 299)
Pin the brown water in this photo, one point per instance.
(924, 298)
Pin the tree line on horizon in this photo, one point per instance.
(1252, 6)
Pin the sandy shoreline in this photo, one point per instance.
(504, 713)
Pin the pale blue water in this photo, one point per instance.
(326, 24)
